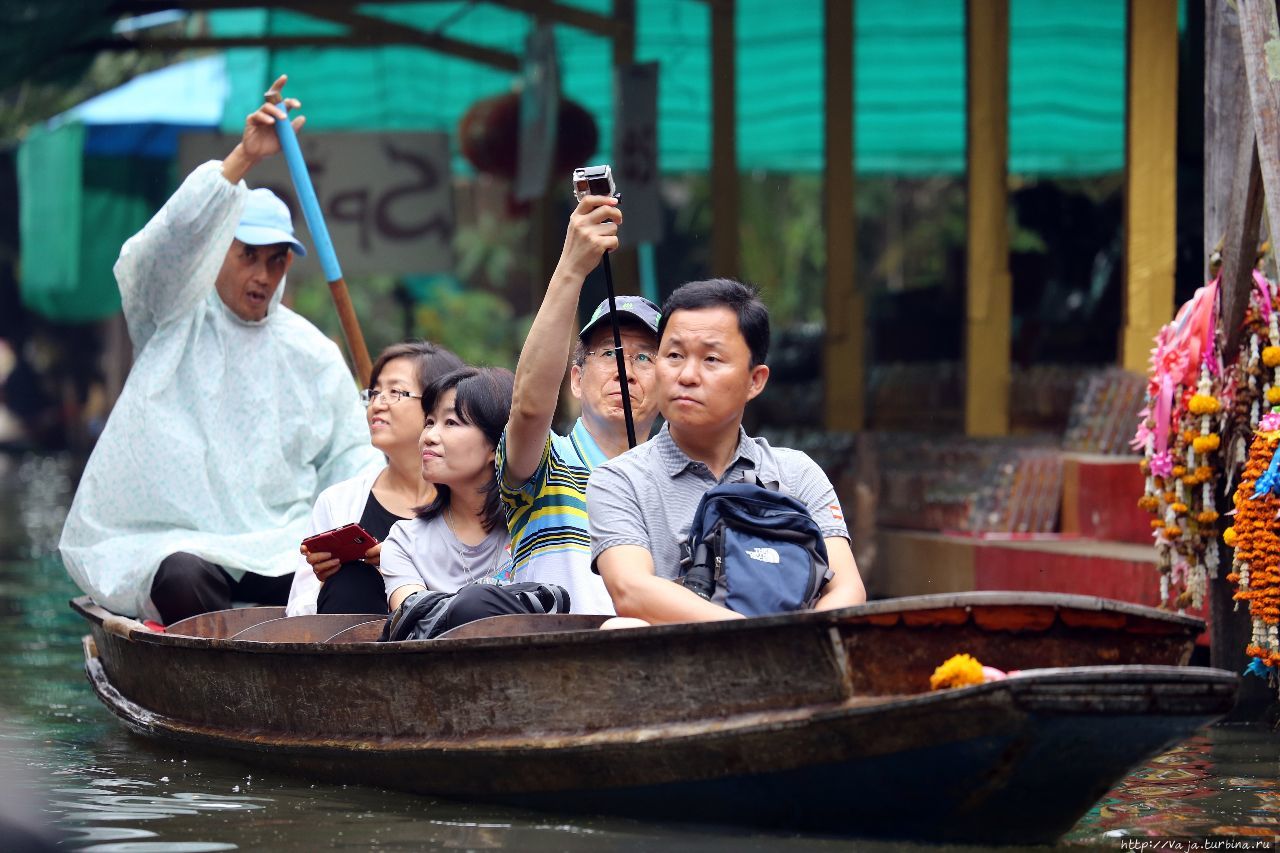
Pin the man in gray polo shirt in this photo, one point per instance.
(713, 342)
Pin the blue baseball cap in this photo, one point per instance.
(637, 306)
(266, 221)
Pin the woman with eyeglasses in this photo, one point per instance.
(378, 498)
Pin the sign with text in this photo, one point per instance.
(387, 198)
(635, 151)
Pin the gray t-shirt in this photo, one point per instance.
(647, 496)
(427, 553)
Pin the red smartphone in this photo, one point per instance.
(348, 542)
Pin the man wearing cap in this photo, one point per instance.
(542, 475)
(236, 414)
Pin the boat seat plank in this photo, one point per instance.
(304, 629)
(516, 624)
(365, 632)
(221, 624)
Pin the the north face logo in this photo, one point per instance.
(764, 555)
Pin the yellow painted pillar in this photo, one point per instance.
(724, 139)
(1150, 176)
(989, 288)
(844, 349)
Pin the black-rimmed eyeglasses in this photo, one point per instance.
(368, 395)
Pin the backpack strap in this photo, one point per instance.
(752, 478)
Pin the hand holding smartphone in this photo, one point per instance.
(345, 544)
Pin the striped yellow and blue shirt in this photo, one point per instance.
(547, 518)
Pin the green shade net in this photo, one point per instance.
(1066, 79)
(49, 217)
(75, 212)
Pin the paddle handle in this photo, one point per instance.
(324, 247)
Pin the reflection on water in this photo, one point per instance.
(1222, 783)
(106, 790)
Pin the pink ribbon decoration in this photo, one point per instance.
(1207, 350)
(1144, 433)
(1264, 293)
(1164, 404)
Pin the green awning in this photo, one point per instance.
(1066, 90)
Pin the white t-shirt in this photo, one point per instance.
(427, 553)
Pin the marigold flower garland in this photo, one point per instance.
(1255, 374)
(1255, 535)
(1180, 435)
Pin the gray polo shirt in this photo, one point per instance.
(647, 496)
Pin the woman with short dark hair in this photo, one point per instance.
(458, 544)
(459, 537)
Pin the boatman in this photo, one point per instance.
(236, 414)
(543, 476)
(711, 362)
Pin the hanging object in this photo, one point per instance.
(1255, 536)
(1180, 437)
(489, 135)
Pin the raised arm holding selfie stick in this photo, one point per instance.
(542, 474)
(598, 180)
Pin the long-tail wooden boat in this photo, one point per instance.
(819, 722)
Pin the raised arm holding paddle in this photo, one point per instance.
(237, 412)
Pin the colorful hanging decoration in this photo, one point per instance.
(1253, 375)
(1255, 536)
(1180, 436)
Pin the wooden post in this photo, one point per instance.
(724, 140)
(989, 287)
(844, 350)
(1241, 118)
(1150, 175)
(1232, 175)
(1260, 39)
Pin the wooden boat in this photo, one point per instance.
(816, 722)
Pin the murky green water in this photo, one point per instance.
(64, 759)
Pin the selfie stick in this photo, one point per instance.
(324, 247)
(619, 355)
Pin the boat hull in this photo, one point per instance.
(784, 723)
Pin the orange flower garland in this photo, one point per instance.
(1255, 569)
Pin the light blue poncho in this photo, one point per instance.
(226, 430)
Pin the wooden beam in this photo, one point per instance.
(1240, 235)
(844, 348)
(365, 31)
(989, 287)
(545, 9)
(1232, 174)
(1227, 115)
(451, 47)
(724, 139)
(144, 7)
(1232, 210)
(377, 30)
(1260, 39)
(602, 25)
(1150, 176)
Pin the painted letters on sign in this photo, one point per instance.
(387, 197)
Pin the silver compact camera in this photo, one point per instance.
(593, 180)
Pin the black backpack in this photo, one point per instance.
(764, 547)
(425, 615)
